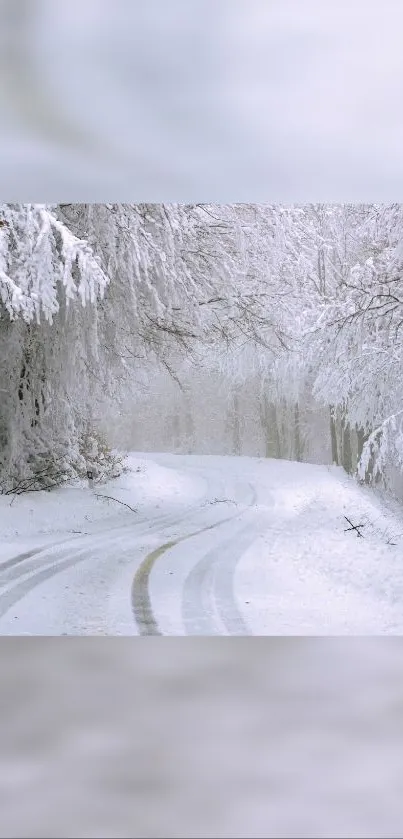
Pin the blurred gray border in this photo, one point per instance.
(214, 737)
(206, 100)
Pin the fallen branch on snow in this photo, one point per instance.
(109, 497)
(355, 527)
(222, 501)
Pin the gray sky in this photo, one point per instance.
(211, 99)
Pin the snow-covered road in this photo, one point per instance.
(218, 546)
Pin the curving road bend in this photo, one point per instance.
(165, 573)
(246, 547)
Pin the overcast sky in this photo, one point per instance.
(211, 99)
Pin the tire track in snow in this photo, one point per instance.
(16, 561)
(13, 595)
(208, 589)
(43, 555)
(163, 519)
(140, 596)
(16, 568)
(54, 566)
(141, 600)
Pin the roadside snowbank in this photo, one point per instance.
(35, 519)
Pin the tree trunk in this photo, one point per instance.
(265, 424)
(269, 423)
(297, 440)
(276, 431)
(346, 447)
(333, 436)
(284, 431)
(362, 438)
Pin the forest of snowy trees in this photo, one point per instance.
(263, 330)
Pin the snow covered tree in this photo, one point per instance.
(93, 294)
(45, 271)
(295, 310)
(356, 338)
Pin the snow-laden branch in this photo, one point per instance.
(38, 251)
(376, 447)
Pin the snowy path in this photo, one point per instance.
(219, 546)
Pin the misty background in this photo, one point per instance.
(223, 101)
(203, 411)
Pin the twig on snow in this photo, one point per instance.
(109, 497)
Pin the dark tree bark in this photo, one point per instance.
(269, 423)
(298, 442)
(333, 437)
(346, 447)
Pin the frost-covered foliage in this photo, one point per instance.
(91, 295)
(306, 301)
(37, 253)
(50, 282)
(354, 338)
(334, 287)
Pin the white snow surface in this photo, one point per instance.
(217, 546)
